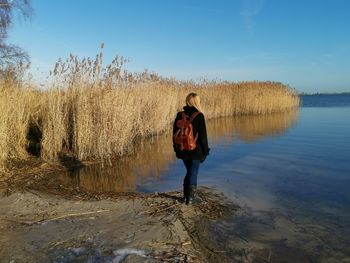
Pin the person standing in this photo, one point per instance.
(192, 154)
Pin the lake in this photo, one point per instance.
(289, 172)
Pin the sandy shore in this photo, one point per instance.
(44, 219)
(42, 227)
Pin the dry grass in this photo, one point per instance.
(19, 108)
(96, 112)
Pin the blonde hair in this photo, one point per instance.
(193, 100)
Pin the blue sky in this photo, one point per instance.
(302, 43)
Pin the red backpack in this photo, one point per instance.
(183, 138)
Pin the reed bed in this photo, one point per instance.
(95, 112)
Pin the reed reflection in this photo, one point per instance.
(150, 160)
(152, 157)
(252, 127)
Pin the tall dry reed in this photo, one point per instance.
(20, 107)
(96, 112)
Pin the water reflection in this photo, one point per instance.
(294, 192)
(251, 128)
(152, 157)
(150, 160)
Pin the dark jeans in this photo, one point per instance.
(192, 167)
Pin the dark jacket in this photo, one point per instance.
(202, 149)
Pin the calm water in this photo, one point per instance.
(289, 172)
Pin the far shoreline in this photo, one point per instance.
(325, 94)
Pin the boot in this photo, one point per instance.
(186, 194)
(193, 198)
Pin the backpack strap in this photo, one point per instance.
(194, 115)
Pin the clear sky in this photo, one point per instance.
(302, 43)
